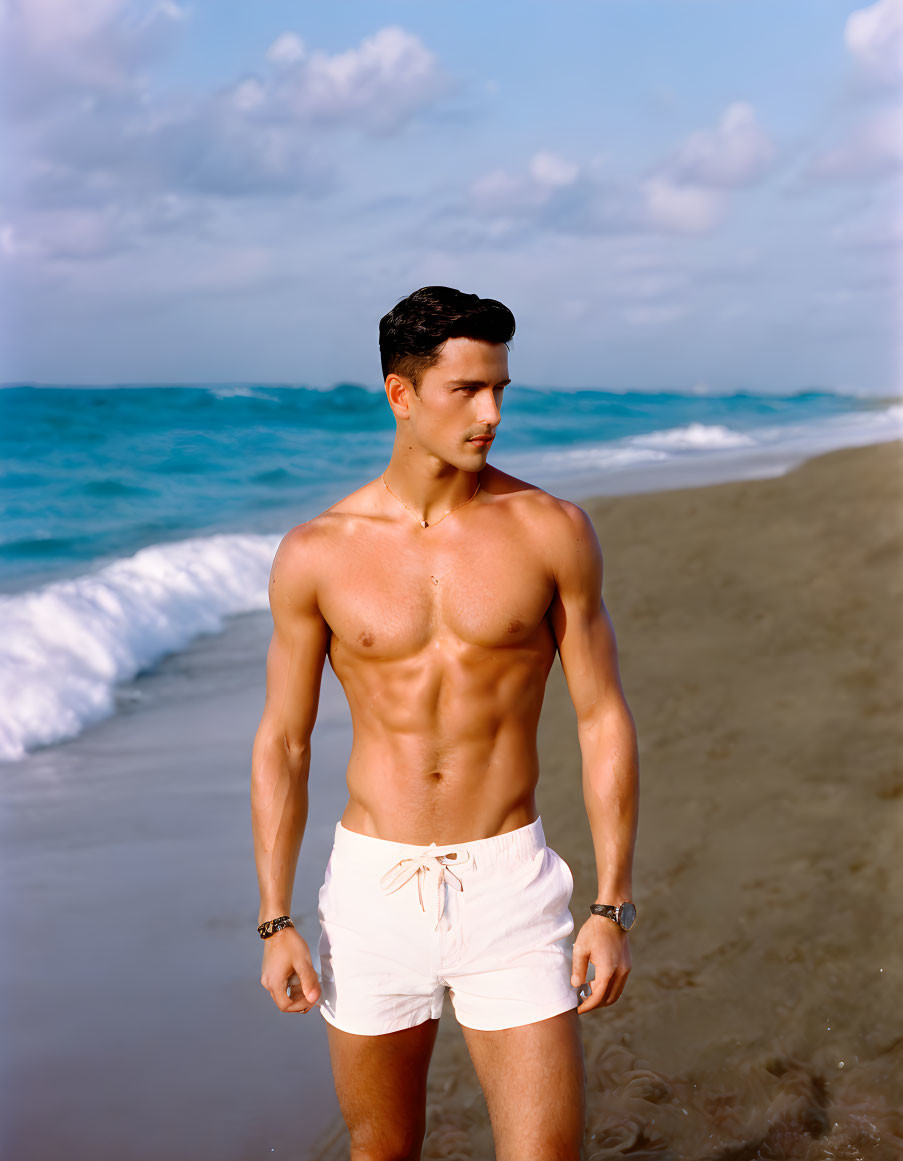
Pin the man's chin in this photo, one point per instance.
(470, 458)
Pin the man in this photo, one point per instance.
(440, 592)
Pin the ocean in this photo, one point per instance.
(137, 518)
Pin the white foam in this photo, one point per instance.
(66, 645)
(239, 390)
(699, 453)
(695, 436)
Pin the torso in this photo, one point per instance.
(442, 642)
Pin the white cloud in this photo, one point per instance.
(50, 49)
(874, 36)
(287, 49)
(548, 169)
(684, 209)
(736, 152)
(502, 193)
(58, 25)
(8, 240)
(69, 234)
(104, 165)
(873, 149)
(379, 85)
(257, 135)
(248, 94)
(868, 144)
(687, 192)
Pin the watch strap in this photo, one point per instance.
(609, 910)
(271, 926)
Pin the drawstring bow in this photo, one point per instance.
(420, 865)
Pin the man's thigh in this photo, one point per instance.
(534, 1082)
(381, 1085)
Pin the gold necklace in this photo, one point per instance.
(426, 523)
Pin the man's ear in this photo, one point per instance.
(399, 391)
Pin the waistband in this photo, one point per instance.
(513, 846)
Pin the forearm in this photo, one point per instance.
(279, 804)
(608, 746)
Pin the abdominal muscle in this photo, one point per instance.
(444, 744)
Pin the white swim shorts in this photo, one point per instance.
(487, 919)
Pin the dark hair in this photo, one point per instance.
(412, 334)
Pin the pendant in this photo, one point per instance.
(424, 524)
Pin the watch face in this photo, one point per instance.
(627, 915)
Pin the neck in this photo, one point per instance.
(426, 484)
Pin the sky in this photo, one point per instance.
(669, 194)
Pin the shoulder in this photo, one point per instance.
(561, 521)
(311, 538)
(559, 530)
(305, 550)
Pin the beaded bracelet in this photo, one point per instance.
(273, 925)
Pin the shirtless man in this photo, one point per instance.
(440, 593)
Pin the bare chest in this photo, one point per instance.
(391, 599)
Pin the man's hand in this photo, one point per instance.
(604, 944)
(286, 954)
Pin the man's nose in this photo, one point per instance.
(488, 410)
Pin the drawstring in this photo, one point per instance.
(422, 864)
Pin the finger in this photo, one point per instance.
(278, 995)
(620, 987)
(306, 977)
(611, 991)
(280, 998)
(288, 997)
(297, 1000)
(598, 990)
(588, 1000)
(580, 964)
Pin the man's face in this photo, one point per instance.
(459, 405)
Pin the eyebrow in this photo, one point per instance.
(476, 383)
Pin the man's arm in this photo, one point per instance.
(280, 763)
(608, 745)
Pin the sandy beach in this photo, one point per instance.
(760, 631)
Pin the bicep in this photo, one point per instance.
(581, 623)
(296, 653)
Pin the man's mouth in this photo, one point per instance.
(482, 440)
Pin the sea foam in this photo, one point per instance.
(66, 645)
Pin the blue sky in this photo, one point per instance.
(669, 194)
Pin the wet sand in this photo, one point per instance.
(133, 1026)
(760, 632)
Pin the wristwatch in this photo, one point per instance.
(624, 914)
